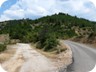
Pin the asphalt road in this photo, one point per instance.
(84, 57)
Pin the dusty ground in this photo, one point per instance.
(27, 59)
(61, 60)
(4, 56)
(94, 45)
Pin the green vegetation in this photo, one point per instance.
(47, 30)
(2, 47)
(47, 39)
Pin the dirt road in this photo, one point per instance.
(26, 59)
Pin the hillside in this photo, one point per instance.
(47, 30)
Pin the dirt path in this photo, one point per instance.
(27, 59)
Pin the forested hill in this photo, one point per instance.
(57, 26)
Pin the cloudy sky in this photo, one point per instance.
(18, 9)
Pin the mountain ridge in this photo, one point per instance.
(48, 29)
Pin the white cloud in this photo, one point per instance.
(4, 17)
(93, 1)
(2, 1)
(24, 8)
(39, 8)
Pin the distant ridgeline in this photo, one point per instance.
(57, 26)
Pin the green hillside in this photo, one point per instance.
(47, 30)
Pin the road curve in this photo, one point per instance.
(84, 57)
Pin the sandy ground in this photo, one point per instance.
(27, 59)
(7, 54)
(63, 59)
(94, 45)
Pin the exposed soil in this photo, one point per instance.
(7, 54)
(28, 59)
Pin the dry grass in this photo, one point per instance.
(60, 59)
(94, 45)
(52, 54)
(7, 54)
(47, 54)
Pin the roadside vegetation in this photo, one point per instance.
(46, 31)
(2, 47)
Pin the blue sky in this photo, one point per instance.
(6, 5)
(18, 9)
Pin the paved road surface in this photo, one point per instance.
(84, 57)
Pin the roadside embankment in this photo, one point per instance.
(7, 54)
(62, 59)
(29, 59)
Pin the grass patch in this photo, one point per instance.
(2, 47)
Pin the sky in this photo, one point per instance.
(18, 9)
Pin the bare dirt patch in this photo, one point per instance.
(7, 54)
(27, 59)
(94, 45)
(59, 59)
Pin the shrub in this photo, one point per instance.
(47, 40)
(50, 43)
(30, 37)
(2, 47)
